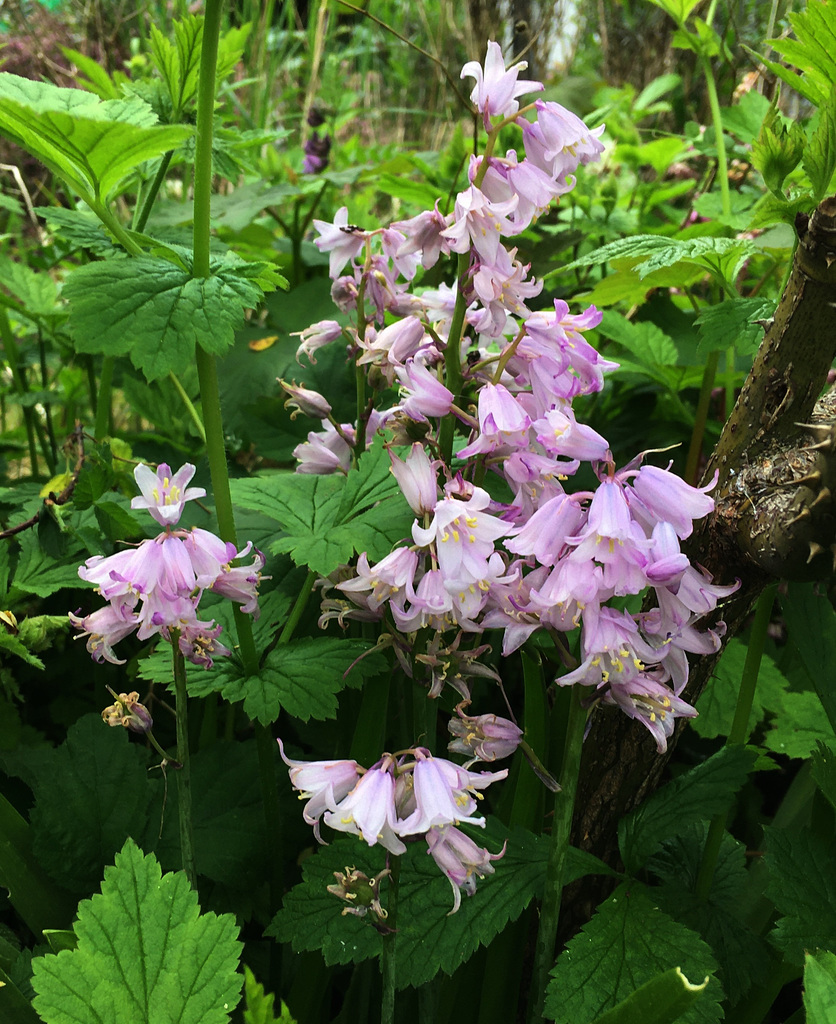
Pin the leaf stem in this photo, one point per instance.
(101, 427)
(720, 141)
(564, 805)
(738, 732)
(184, 780)
(298, 608)
(695, 449)
(150, 197)
(389, 958)
(187, 402)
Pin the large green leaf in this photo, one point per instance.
(662, 1000)
(802, 885)
(820, 987)
(326, 519)
(302, 677)
(90, 143)
(819, 159)
(628, 943)
(429, 937)
(698, 795)
(145, 953)
(91, 794)
(811, 629)
(157, 311)
(812, 51)
(734, 323)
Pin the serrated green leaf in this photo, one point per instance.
(679, 10)
(78, 228)
(624, 946)
(258, 1006)
(36, 292)
(811, 628)
(732, 322)
(721, 917)
(662, 1000)
(10, 644)
(698, 795)
(824, 772)
(799, 725)
(326, 519)
(820, 987)
(429, 937)
(812, 51)
(778, 150)
(819, 160)
(94, 793)
(99, 81)
(802, 885)
(145, 953)
(303, 677)
(90, 143)
(179, 62)
(717, 704)
(39, 573)
(642, 339)
(156, 312)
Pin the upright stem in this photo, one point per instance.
(564, 805)
(207, 370)
(720, 141)
(695, 450)
(739, 730)
(453, 357)
(101, 427)
(154, 188)
(387, 1010)
(184, 781)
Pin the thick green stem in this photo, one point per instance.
(739, 730)
(184, 781)
(101, 428)
(564, 805)
(389, 959)
(695, 450)
(207, 370)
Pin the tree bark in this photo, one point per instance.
(774, 516)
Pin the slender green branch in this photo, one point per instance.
(104, 214)
(187, 402)
(720, 139)
(184, 781)
(695, 448)
(564, 805)
(739, 730)
(298, 608)
(150, 197)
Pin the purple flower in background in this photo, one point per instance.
(322, 783)
(486, 737)
(317, 149)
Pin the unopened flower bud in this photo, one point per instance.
(128, 712)
(311, 403)
(485, 737)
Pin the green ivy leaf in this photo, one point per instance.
(145, 953)
(156, 312)
(90, 143)
(326, 519)
(302, 677)
(802, 885)
(698, 795)
(625, 945)
(733, 323)
(716, 705)
(429, 937)
(820, 987)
